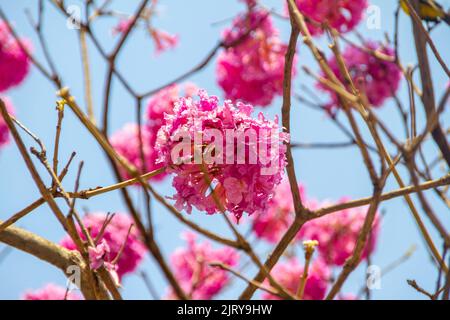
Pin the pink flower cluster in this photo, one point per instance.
(192, 270)
(343, 15)
(272, 224)
(377, 79)
(14, 62)
(114, 236)
(239, 186)
(336, 233)
(4, 131)
(126, 141)
(288, 274)
(50, 292)
(251, 69)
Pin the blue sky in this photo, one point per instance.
(327, 174)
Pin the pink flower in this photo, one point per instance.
(193, 272)
(14, 62)
(115, 236)
(243, 179)
(288, 275)
(122, 26)
(163, 40)
(377, 79)
(343, 15)
(4, 130)
(252, 69)
(163, 102)
(272, 224)
(127, 143)
(338, 232)
(50, 292)
(98, 255)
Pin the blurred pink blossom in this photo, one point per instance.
(122, 26)
(272, 224)
(338, 232)
(4, 130)
(163, 40)
(114, 237)
(251, 69)
(377, 79)
(50, 292)
(288, 274)
(192, 270)
(127, 143)
(343, 15)
(14, 62)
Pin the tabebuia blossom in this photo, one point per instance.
(4, 130)
(375, 78)
(342, 15)
(127, 143)
(222, 159)
(251, 68)
(115, 236)
(51, 292)
(288, 274)
(337, 234)
(192, 269)
(14, 62)
(163, 102)
(272, 224)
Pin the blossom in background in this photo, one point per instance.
(163, 40)
(4, 130)
(163, 102)
(377, 79)
(193, 272)
(346, 296)
(127, 143)
(342, 15)
(272, 224)
(122, 26)
(338, 232)
(14, 62)
(50, 292)
(251, 69)
(115, 236)
(242, 180)
(288, 274)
